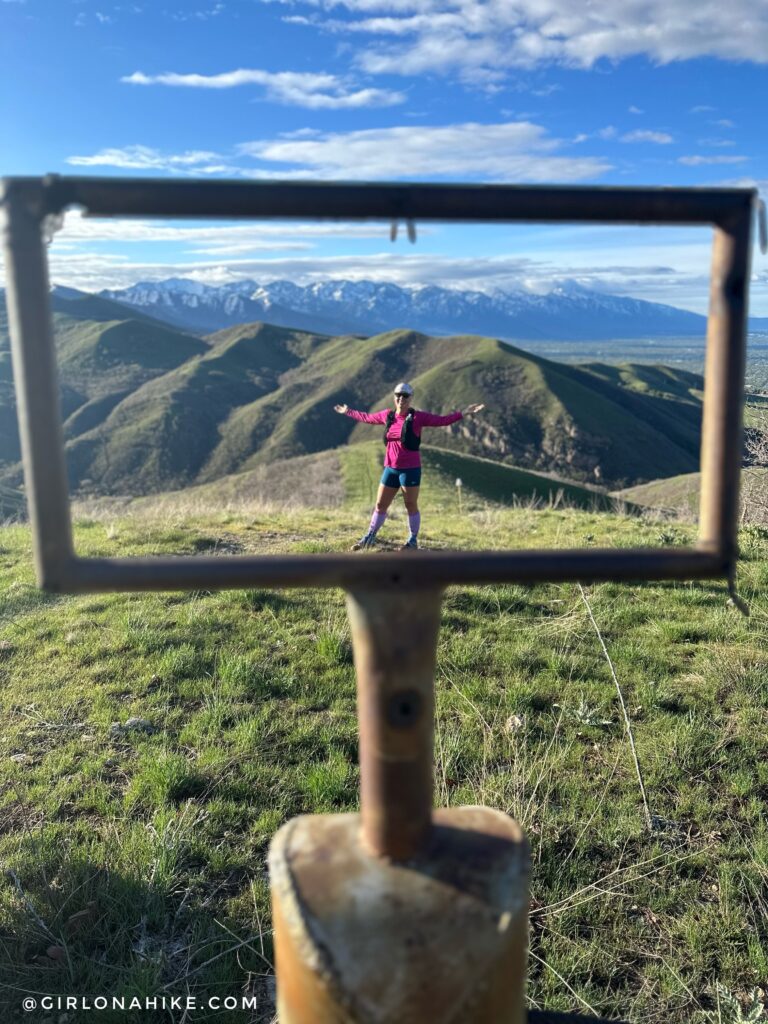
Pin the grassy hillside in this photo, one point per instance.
(134, 856)
(148, 408)
(161, 435)
(100, 364)
(540, 415)
(680, 494)
(348, 477)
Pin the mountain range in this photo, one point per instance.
(568, 312)
(148, 408)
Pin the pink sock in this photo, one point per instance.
(414, 522)
(377, 521)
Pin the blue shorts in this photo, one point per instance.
(401, 477)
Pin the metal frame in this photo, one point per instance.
(29, 203)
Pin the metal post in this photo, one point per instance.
(399, 914)
(37, 389)
(721, 434)
(394, 638)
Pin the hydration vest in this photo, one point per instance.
(408, 438)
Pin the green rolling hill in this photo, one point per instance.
(101, 363)
(680, 494)
(672, 494)
(148, 408)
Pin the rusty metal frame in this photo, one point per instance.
(28, 203)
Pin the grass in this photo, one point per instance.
(349, 476)
(134, 858)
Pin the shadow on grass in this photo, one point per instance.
(130, 921)
(259, 600)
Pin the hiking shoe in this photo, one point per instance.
(366, 541)
(410, 545)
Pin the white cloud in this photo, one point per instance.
(515, 151)
(756, 183)
(201, 15)
(546, 90)
(659, 138)
(314, 91)
(79, 230)
(144, 158)
(702, 109)
(635, 110)
(415, 36)
(724, 123)
(698, 161)
(608, 132)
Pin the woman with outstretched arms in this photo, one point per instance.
(402, 463)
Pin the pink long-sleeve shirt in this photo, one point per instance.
(398, 456)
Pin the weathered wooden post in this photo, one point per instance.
(401, 914)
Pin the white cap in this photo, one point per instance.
(403, 389)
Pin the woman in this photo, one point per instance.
(402, 465)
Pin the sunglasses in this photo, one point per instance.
(402, 396)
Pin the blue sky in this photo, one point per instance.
(653, 92)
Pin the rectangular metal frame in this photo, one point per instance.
(28, 204)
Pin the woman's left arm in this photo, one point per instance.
(430, 419)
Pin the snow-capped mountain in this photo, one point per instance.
(202, 309)
(568, 312)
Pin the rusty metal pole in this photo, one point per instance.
(37, 384)
(395, 645)
(399, 914)
(721, 434)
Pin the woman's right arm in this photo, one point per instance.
(363, 417)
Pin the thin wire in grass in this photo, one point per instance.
(598, 888)
(225, 952)
(625, 713)
(557, 974)
(13, 877)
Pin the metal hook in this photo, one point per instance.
(410, 227)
